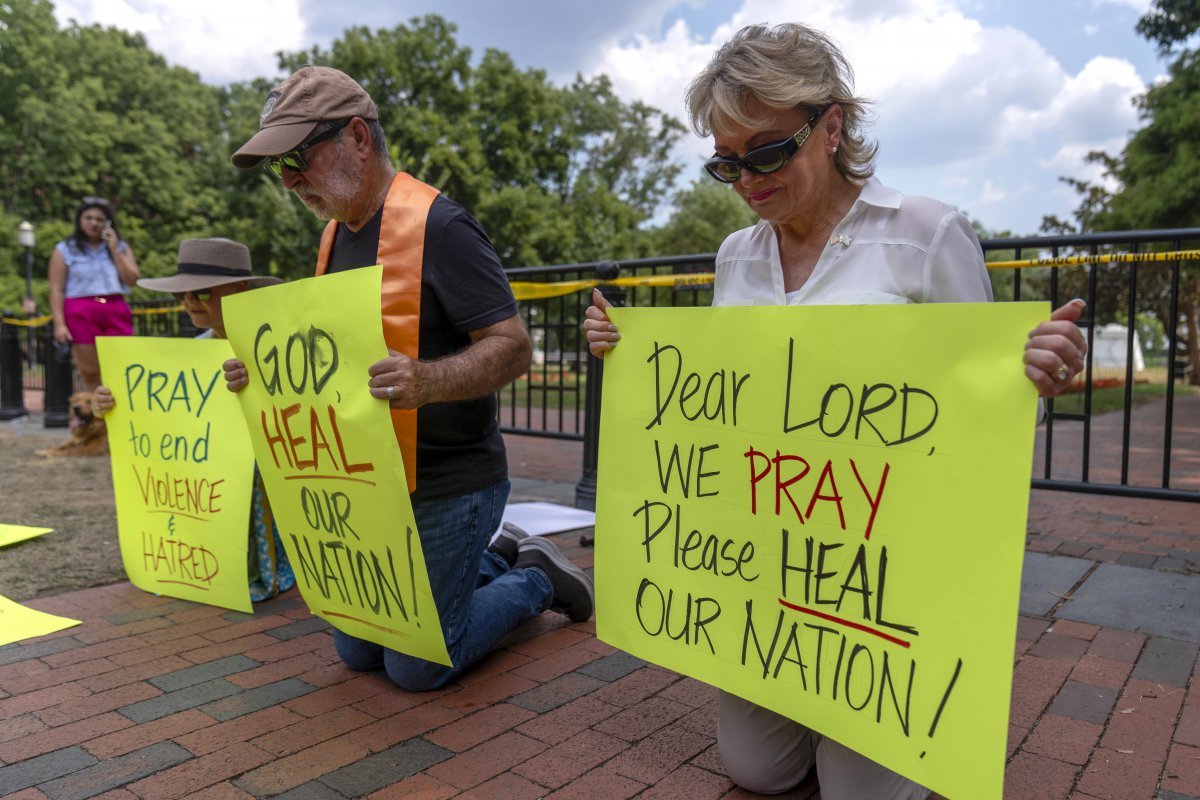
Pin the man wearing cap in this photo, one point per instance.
(207, 271)
(454, 338)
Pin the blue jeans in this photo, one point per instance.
(479, 598)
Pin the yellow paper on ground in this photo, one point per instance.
(18, 622)
(329, 459)
(11, 534)
(182, 468)
(822, 509)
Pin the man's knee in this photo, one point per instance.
(357, 654)
(416, 674)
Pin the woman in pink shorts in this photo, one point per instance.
(90, 274)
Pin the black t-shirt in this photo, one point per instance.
(463, 288)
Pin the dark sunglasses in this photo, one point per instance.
(293, 159)
(761, 160)
(203, 295)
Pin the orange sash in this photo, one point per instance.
(401, 251)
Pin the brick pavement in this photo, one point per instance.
(153, 698)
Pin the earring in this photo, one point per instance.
(834, 150)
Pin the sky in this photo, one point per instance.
(983, 104)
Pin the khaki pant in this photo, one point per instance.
(769, 754)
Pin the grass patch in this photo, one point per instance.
(1112, 398)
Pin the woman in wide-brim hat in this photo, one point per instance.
(209, 270)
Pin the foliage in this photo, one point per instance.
(556, 174)
(1150, 333)
(1158, 173)
(704, 214)
(1112, 398)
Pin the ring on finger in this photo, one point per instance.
(391, 390)
(1062, 373)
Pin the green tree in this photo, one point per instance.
(704, 214)
(93, 111)
(1158, 173)
(555, 174)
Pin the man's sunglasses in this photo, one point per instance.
(293, 159)
(203, 295)
(761, 160)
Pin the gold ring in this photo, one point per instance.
(1062, 373)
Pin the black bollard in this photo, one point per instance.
(12, 381)
(59, 382)
(585, 490)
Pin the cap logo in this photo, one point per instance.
(268, 107)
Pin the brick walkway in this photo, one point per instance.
(153, 698)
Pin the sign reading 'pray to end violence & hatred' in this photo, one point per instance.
(822, 510)
(182, 468)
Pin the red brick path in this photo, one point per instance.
(153, 698)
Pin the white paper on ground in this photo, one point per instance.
(538, 519)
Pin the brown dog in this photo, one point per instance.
(88, 437)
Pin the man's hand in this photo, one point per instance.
(399, 380)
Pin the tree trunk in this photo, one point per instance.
(1191, 313)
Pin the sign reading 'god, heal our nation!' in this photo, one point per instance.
(328, 457)
(822, 510)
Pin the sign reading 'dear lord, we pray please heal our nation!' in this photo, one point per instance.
(822, 510)
(329, 459)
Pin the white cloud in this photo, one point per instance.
(1140, 6)
(992, 194)
(222, 40)
(981, 115)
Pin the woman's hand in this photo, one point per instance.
(1055, 351)
(102, 401)
(602, 335)
(236, 376)
(61, 334)
(109, 237)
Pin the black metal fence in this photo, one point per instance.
(1130, 427)
(29, 360)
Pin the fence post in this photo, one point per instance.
(585, 490)
(59, 383)
(12, 383)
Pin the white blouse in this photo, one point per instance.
(889, 248)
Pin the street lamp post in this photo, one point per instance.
(25, 239)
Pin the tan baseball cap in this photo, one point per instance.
(295, 107)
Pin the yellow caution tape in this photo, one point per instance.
(1108, 258)
(45, 319)
(525, 290)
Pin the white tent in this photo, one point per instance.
(1110, 347)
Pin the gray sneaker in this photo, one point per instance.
(573, 592)
(506, 542)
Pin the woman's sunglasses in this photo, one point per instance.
(761, 160)
(293, 159)
(203, 295)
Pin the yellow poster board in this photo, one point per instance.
(11, 534)
(329, 458)
(822, 510)
(18, 622)
(182, 468)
